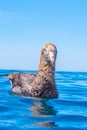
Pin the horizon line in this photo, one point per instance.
(70, 71)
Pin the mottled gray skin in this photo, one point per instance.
(41, 84)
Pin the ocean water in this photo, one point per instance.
(68, 112)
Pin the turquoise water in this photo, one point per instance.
(68, 112)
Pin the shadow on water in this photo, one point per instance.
(44, 113)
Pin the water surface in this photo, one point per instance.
(68, 112)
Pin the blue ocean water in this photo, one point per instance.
(68, 112)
